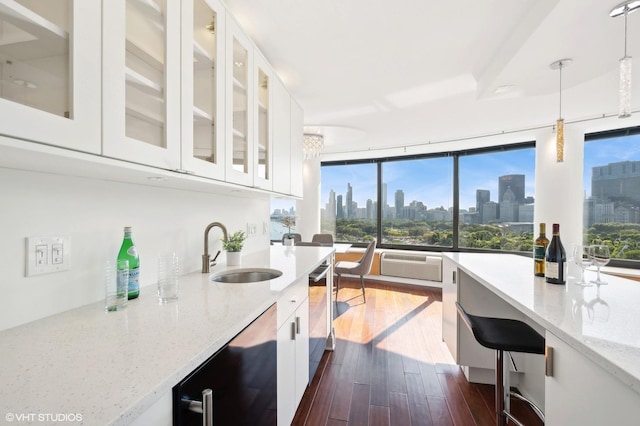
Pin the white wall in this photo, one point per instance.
(93, 212)
(308, 209)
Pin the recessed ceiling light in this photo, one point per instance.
(238, 64)
(158, 178)
(24, 83)
(504, 89)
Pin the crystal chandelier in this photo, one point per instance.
(313, 145)
(557, 65)
(625, 62)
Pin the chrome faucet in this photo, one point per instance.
(206, 263)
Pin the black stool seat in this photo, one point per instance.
(506, 334)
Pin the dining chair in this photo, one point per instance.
(308, 244)
(361, 267)
(324, 239)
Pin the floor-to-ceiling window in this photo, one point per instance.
(465, 200)
(496, 199)
(612, 193)
(349, 201)
(417, 202)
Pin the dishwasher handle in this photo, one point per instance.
(204, 407)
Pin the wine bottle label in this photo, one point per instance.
(553, 271)
(134, 279)
(538, 252)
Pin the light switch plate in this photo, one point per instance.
(47, 254)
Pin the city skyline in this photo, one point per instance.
(430, 180)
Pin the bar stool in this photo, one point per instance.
(504, 335)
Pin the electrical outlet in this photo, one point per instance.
(47, 254)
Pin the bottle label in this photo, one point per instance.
(553, 271)
(538, 252)
(134, 280)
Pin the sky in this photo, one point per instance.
(430, 180)
(605, 151)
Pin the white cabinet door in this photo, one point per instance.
(239, 98)
(262, 123)
(50, 66)
(581, 392)
(449, 310)
(141, 81)
(281, 138)
(302, 350)
(203, 88)
(297, 158)
(287, 401)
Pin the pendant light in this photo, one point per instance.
(558, 65)
(625, 62)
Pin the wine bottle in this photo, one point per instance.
(539, 251)
(128, 252)
(556, 259)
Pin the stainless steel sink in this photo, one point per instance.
(246, 275)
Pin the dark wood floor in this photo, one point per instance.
(391, 367)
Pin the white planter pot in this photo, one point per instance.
(234, 258)
(288, 241)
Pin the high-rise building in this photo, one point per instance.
(616, 182)
(371, 213)
(509, 207)
(516, 183)
(339, 208)
(331, 205)
(399, 203)
(482, 196)
(489, 212)
(350, 211)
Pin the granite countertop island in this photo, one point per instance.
(109, 367)
(601, 322)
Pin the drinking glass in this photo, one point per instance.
(583, 260)
(600, 256)
(168, 272)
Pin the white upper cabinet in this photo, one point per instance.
(141, 81)
(239, 99)
(281, 137)
(297, 156)
(203, 88)
(50, 72)
(263, 123)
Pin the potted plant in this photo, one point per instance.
(288, 221)
(233, 246)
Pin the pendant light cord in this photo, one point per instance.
(560, 91)
(626, 12)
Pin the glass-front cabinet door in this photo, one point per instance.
(50, 72)
(141, 54)
(263, 123)
(203, 106)
(239, 98)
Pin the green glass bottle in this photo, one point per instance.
(128, 252)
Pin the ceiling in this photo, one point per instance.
(374, 74)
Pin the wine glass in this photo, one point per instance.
(600, 256)
(582, 258)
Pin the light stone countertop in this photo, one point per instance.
(602, 323)
(109, 367)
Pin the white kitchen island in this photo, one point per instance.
(594, 333)
(113, 367)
